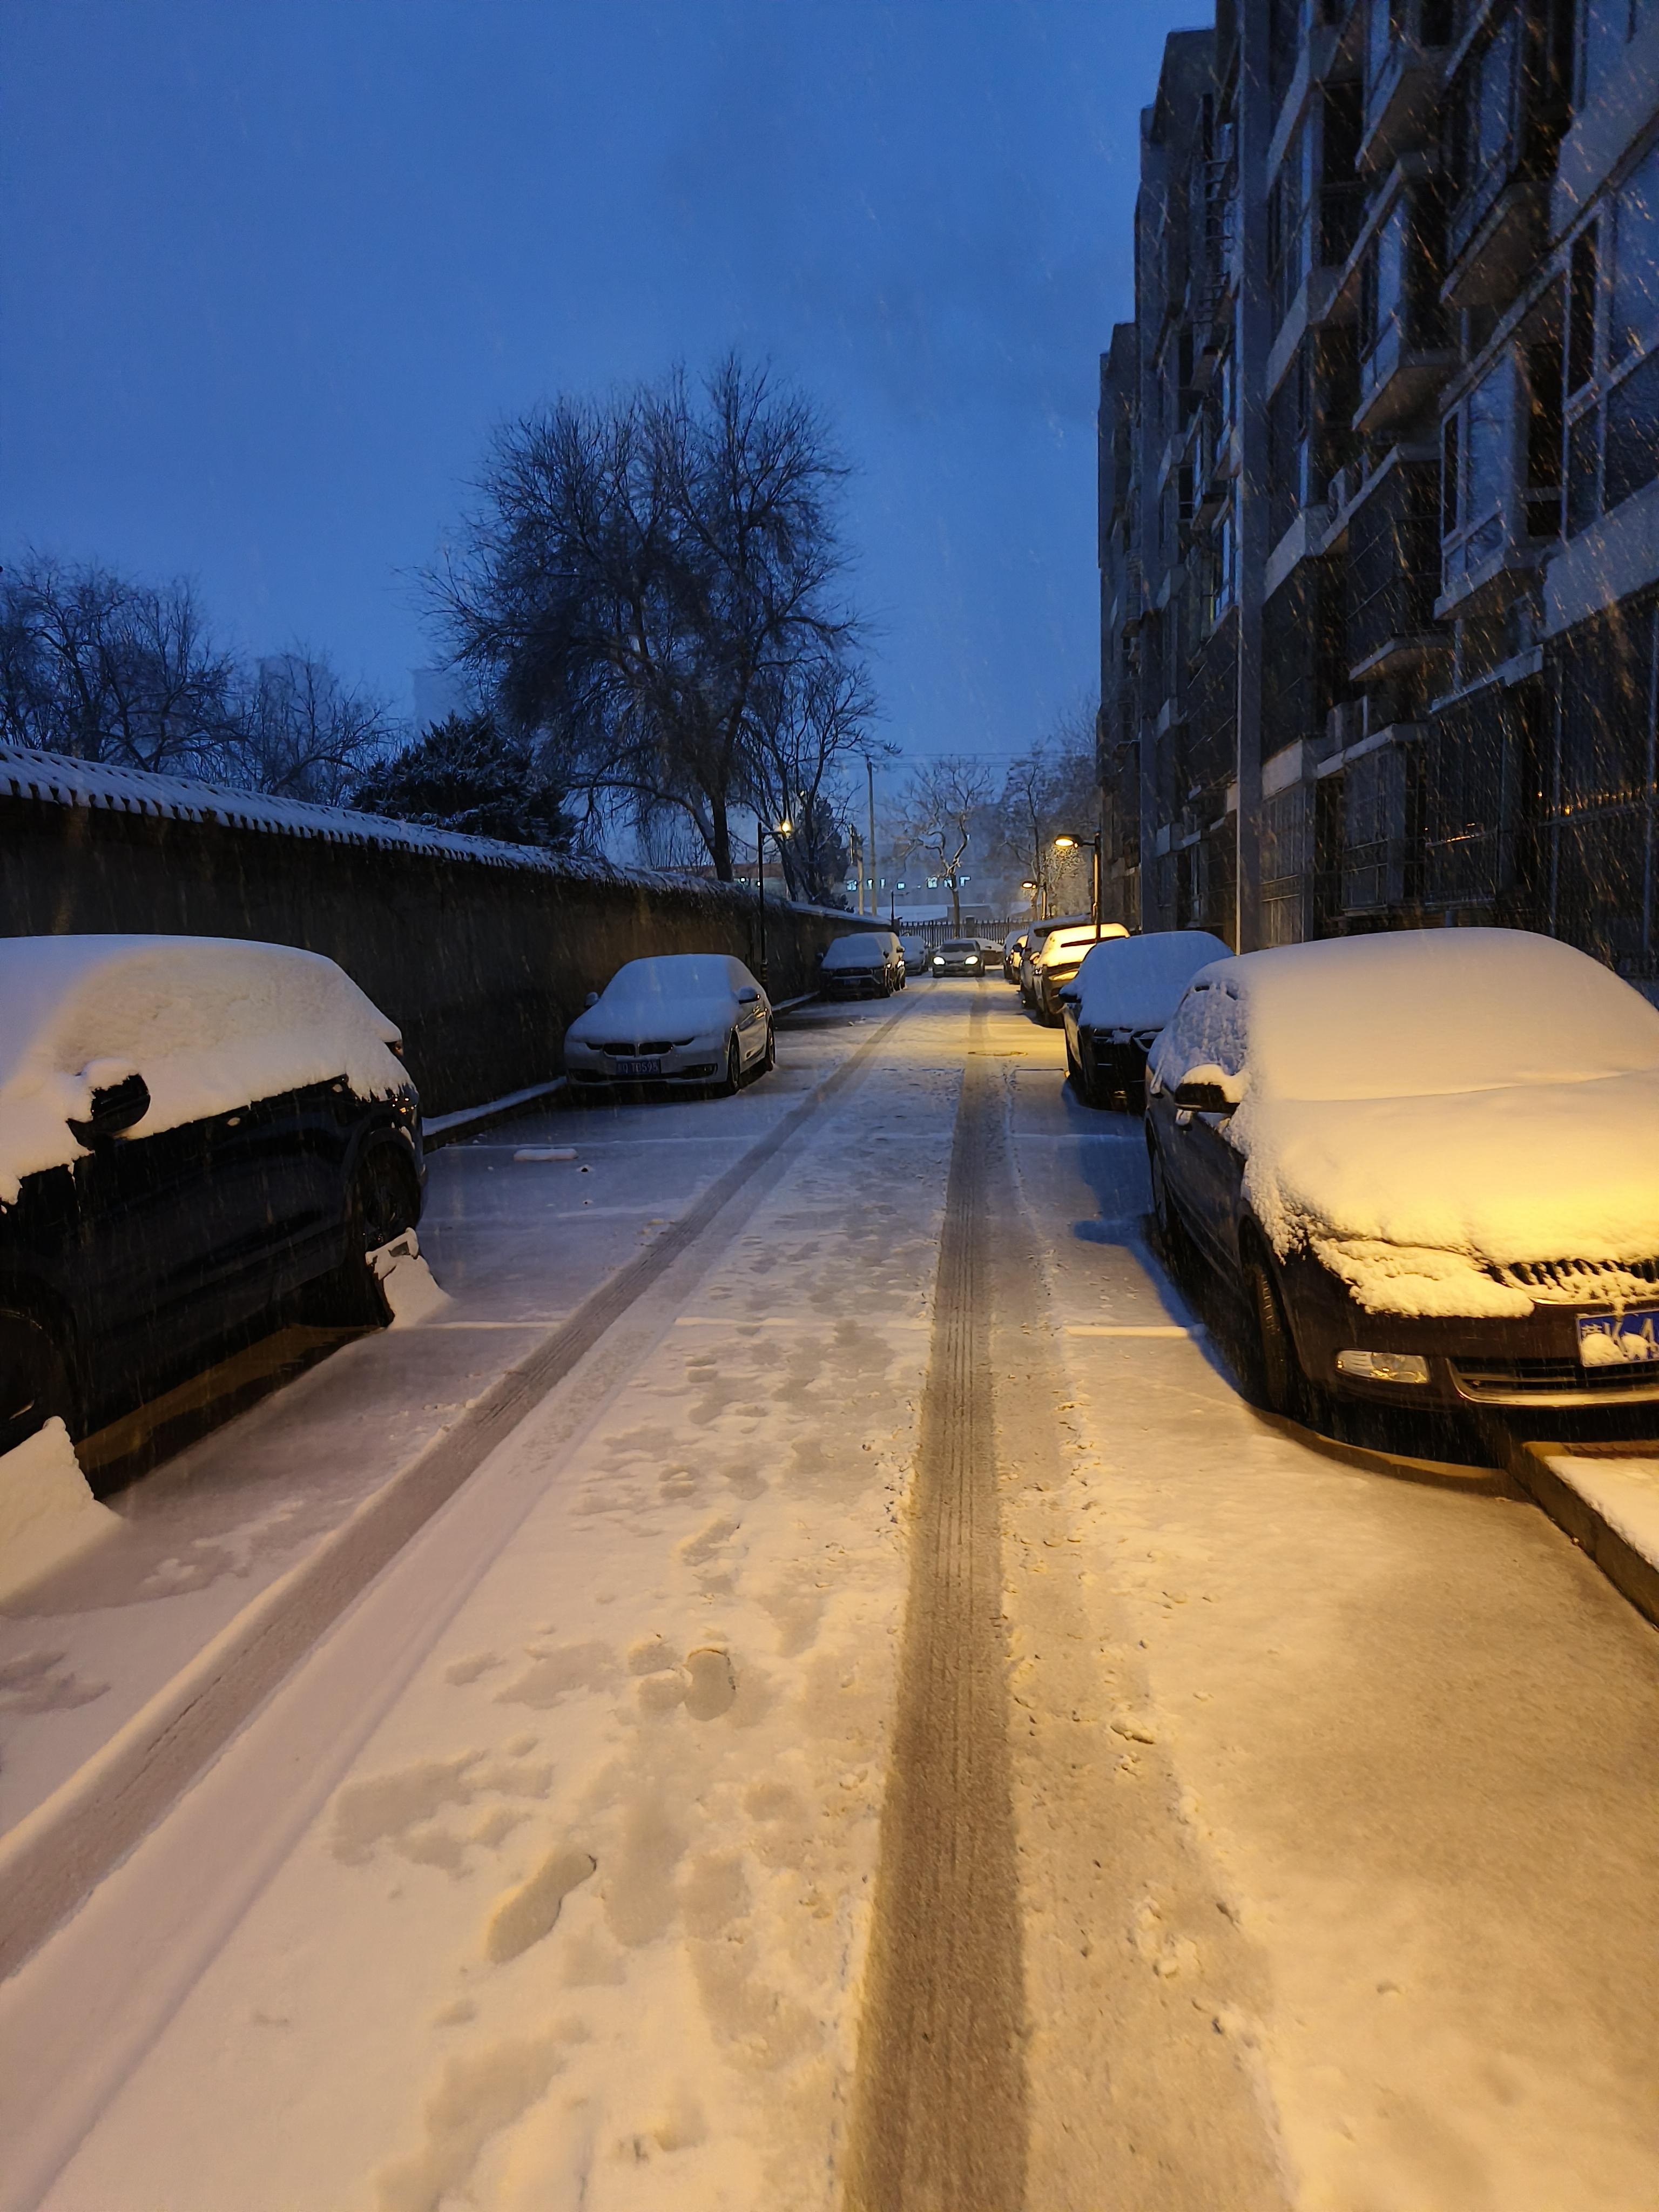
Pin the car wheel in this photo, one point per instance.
(34, 1381)
(1272, 1372)
(1178, 1254)
(383, 1201)
(733, 1075)
(769, 1057)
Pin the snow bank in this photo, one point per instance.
(1624, 1492)
(1136, 983)
(47, 1514)
(1422, 1105)
(678, 995)
(211, 1024)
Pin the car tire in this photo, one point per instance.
(769, 1057)
(384, 1200)
(1272, 1375)
(732, 1080)
(34, 1381)
(1179, 1255)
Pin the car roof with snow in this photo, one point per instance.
(1136, 983)
(671, 982)
(868, 948)
(211, 1024)
(1072, 936)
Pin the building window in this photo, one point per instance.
(1631, 463)
(1636, 261)
(1581, 312)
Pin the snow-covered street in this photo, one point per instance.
(1284, 1838)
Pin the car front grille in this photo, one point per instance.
(1581, 1282)
(1560, 1381)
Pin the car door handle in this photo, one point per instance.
(1183, 1117)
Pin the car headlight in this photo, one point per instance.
(1384, 1366)
(972, 961)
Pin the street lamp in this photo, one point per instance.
(1073, 841)
(784, 828)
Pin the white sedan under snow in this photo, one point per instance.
(680, 1019)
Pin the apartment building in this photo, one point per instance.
(1379, 477)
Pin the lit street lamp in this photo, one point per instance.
(784, 829)
(1069, 842)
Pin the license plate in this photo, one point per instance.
(639, 1067)
(1625, 1340)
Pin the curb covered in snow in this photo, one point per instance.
(1606, 1497)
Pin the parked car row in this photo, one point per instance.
(1420, 1165)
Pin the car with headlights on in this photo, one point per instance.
(1119, 999)
(1424, 1161)
(863, 965)
(1057, 959)
(673, 1021)
(958, 956)
(200, 1137)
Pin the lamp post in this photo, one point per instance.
(784, 829)
(1069, 842)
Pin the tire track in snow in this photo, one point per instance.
(939, 2104)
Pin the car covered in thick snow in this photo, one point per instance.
(678, 1020)
(195, 1134)
(1427, 1161)
(1052, 964)
(865, 964)
(1119, 999)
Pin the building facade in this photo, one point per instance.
(1379, 477)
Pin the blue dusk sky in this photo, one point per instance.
(273, 268)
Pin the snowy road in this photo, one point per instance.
(1236, 1824)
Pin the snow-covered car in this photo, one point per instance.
(958, 956)
(1013, 946)
(914, 950)
(1057, 959)
(680, 1019)
(1032, 946)
(1117, 1002)
(1427, 1159)
(861, 966)
(196, 1133)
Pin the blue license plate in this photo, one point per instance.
(639, 1067)
(1626, 1339)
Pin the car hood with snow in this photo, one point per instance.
(1432, 1111)
(210, 1024)
(1135, 983)
(677, 996)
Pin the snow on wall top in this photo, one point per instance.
(56, 780)
(211, 1024)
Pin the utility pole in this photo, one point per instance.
(870, 774)
(855, 847)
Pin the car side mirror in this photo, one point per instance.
(748, 996)
(1069, 998)
(1203, 1098)
(115, 1108)
(591, 999)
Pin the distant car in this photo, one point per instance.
(1013, 947)
(861, 966)
(196, 1133)
(1118, 1001)
(1424, 1162)
(1058, 958)
(678, 1020)
(959, 956)
(914, 950)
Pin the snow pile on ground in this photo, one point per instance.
(1136, 983)
(411, 1290)
(1478, 1096)
(211, 1024)
(47, 1514)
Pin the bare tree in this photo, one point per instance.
(807, 724)
(96, 666)
(301, 732)
(937, 811)
(1050, 790)
(639, 572)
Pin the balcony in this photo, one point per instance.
(1501, 489)
(1392, 571)
(1399, 376)
(1407, 46)
(1508, 106)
